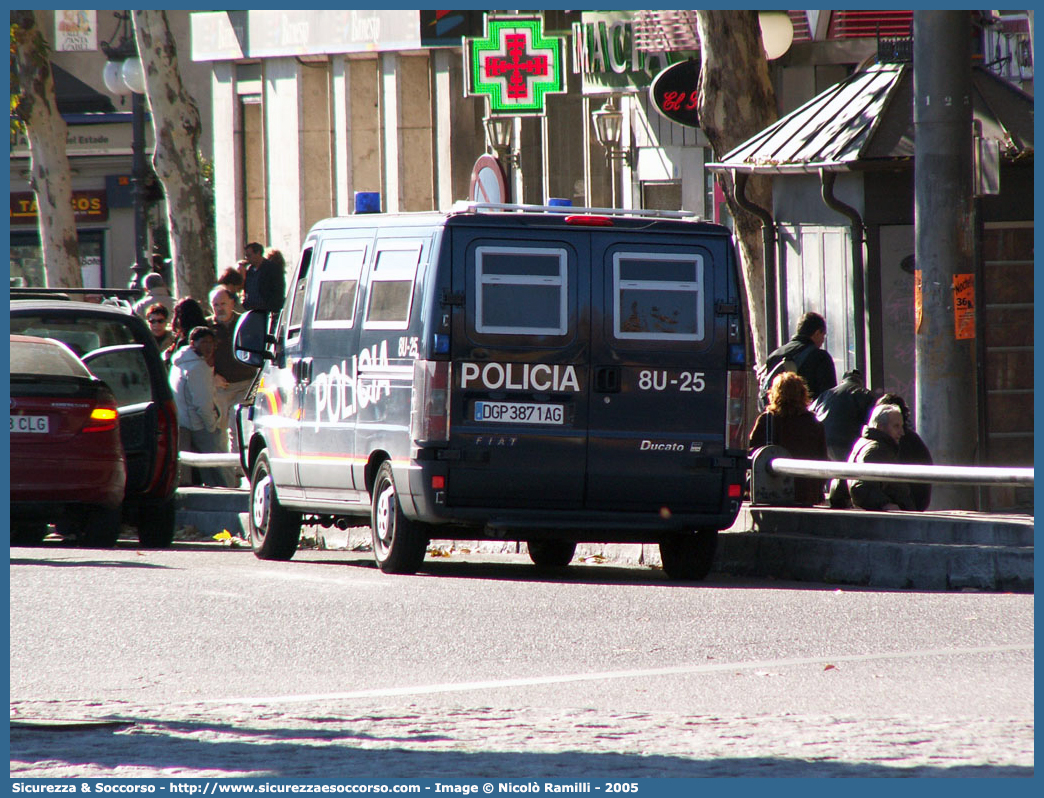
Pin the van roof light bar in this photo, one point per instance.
(464, 206)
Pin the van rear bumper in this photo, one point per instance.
(576, 523)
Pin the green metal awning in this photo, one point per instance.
(866, 122)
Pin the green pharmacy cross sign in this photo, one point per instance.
(515, 65)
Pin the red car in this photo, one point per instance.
(67, 461)
(118, 348)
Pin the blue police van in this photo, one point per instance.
(544, 374)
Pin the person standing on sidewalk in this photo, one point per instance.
(232, 378)
(817, 365)
(192, 382)
(264, 283)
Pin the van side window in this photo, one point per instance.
(521, 291)
(658, 296)
(297, 307)
(391, 288)
(338, 284)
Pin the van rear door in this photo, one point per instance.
(657, 401)
(520, 358)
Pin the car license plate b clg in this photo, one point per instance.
(519, 412)
(29, 424)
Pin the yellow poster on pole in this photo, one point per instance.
(917, 301)
(963, 306)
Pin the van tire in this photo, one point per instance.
(274, 530)
(551, 553)
(689, 556)
(399, 544)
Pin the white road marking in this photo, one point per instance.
(463, 687)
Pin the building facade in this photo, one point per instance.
(99, 143)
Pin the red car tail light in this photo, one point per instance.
(103, 418)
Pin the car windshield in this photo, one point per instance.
(82, 334)
(118, 359)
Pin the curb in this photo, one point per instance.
(909, 551)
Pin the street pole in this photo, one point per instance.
(141, 266)
(944, 229)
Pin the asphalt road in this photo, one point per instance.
(209, 660)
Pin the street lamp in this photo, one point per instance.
(499, 132)
(608, 125)
(123, 74)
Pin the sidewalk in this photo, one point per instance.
(917, 551)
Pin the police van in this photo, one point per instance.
(543, 374)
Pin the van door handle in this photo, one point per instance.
(303, 370)
(607, 379)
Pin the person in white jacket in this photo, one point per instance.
(199, 422)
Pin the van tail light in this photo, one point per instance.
(166, 461)
(737, 421)
(103, 418)
(429, 415)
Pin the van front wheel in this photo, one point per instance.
(689, 556)
(398, 543)
(274, 530)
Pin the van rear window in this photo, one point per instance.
(658, 296)
(521, 291)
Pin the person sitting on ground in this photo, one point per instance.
(912, 450)
(843, 410)
(787, 422)
(880, 444)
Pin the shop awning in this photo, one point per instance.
(866, 122)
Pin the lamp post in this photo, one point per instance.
(124, 75)
(499, 134)
(608, 125)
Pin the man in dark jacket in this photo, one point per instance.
(264, 284)
(843, 411)
(818, 366)
(880, 444)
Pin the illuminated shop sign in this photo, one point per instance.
(88, 206)
(605, 55)
(515, 65)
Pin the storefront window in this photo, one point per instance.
(27, 267)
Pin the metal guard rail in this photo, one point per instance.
(210, 459)
(771, 462)
(771, 466)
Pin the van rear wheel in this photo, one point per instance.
(551, 553)
(689, 556)
(399, 544)
(274, 530)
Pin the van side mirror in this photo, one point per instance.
(251, 342)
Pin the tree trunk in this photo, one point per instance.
(176, 123)
(736, 102)
(50, 179)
